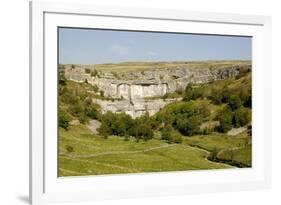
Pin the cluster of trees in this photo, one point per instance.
(173, 121)
(75, 102)
(230, 118)
(236, 102)
(184, 117)
(121, 124)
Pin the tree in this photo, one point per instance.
(191, 93)
(104, 130)
(64, 119)
(225, 117)
(234, 102)
(241, 117)
(188, 126)
(166, 132)
(216, 96)
(92, 112)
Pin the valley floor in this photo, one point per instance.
(83, 153)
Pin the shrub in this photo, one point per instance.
(191, 93)
(102, 93)
(87, 70)
(92, 112)
(188, 126)
(166, 132)
(63, 120)
(104, 130)
(94, 73)
(216, 96)
(170, 135)
(234, 102)
(95, 88)
(69, 148)
(241, 117)
(213, 154)
(225, 117)
(176, 137)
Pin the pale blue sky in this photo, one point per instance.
(92, 46)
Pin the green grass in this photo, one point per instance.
(94, 155)
(241, 156)
(216, 141)
(234, 150)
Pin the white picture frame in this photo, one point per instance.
(46, 187)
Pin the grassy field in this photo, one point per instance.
(94, 155)
(229, 149)
(142, 66)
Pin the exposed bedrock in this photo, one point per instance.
(134, 86)
(134, 108)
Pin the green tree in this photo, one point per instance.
(191, 93)
(64, 119)
(234, 102)
(225, 117)
(188, 126)
(92, 112)
(241, 117)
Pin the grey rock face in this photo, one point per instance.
(134, 108)
(135, 86)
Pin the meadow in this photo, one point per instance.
(94, 155)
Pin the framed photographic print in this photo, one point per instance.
(129, 102)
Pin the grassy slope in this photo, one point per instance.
(229, 148)
(175, 157)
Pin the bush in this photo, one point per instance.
(102, 93)
(176, 137)
(191, 93)
(234, 102)
(104, 130)
(241, 117)
(95, 88)
(92, 112)
(94, 73)
(87, 70)
(166, 132)
(213, 154)
(69, 148)
(64, 119)
(216, 96)
(170, 135)
(188, 126)
(225, 117)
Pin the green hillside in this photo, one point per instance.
(190, 134)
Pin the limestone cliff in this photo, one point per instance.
(149, 80)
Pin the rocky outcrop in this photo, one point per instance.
(134, 108)
(133, 86)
